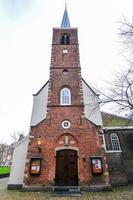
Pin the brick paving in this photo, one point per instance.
(119, 193)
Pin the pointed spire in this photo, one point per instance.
(65, 21)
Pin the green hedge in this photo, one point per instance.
(5, 170)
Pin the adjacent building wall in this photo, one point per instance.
(91, 103)
(120, 163)
(18, 164)
(39, 109)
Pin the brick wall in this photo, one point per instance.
(82, 136)
(120, 164)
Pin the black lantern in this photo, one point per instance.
(39, 142)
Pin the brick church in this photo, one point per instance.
(66, 144)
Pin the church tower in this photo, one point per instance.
(65, 146)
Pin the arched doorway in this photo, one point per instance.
(66, 168)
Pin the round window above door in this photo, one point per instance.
(66, 124)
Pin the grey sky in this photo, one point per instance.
(15, 8)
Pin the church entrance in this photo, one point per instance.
(66, 168)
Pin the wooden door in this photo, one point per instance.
(66, 168)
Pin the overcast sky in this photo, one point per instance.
(25, 48)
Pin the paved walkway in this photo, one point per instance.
(3, 183)
(119, 193)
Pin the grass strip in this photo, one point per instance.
(4, 170)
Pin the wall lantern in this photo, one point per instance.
(39, 142)
(83, 158)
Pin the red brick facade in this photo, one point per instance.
(82, 136)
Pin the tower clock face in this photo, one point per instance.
(65, 72)
(65, 51)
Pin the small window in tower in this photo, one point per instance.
(65, 72)
(35, 166)
(115, 142)
(65, 39)
(65, 96)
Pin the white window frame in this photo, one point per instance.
(65, 100)
(115, 142)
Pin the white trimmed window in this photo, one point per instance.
(115, 142)
(65, 96)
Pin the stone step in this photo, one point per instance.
(64, 191)
(67, 188)
(65, 194)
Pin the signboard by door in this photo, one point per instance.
(96, 164)
(35, 166)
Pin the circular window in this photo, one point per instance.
(66, 124)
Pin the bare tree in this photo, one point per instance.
(121, 91)
(17, 136)
(6, 152)
(126, 33)
(120, 94)
(2, 148)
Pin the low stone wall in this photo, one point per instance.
(4, 175)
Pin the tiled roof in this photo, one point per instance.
(110, 120)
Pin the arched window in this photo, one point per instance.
(65, 39)
(65, 96)
(115, 142)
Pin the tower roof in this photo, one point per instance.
(65, 20)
